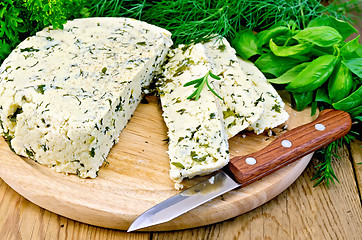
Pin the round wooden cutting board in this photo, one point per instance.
(136, 178)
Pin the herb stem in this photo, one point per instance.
(302, 14)
(199, 85)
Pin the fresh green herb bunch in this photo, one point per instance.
(315, 64)
(118, 8)
(188, 20)
(22, 18)
(196, 20)
(12, 25)
(44, 13)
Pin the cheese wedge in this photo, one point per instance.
(242, 105)
(250, 101)
(65, 95)
(274, 113)
(197, 135)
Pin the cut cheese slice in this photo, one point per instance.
(65, 95)
(274, 113)
(248, 102)
(242, 106)
(197, 137)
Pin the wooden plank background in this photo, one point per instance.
(300, 212)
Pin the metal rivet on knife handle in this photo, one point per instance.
(286, 143)
(320, 127)
(305, 139)
(250, 160)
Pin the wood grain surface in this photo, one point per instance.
(136, 178)
(299, 212)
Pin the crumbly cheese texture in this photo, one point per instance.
(274, 113)
(242, 105)
(197, 136)
(248, 102)
(65, 95)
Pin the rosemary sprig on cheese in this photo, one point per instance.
(199, 84)
(197, 136)
(198, 130)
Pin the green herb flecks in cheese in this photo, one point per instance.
(197, 138)
(274, 113)
(65, 95)
(242, 105)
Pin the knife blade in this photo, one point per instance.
(243, 170)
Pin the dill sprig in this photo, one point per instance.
(188, 20)
(199, 85)
(324, 170)
(118, 8)
(198, 20)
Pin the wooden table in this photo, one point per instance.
(300, 212)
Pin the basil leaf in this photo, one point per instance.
(285, 51)
(314, 75)
(348, 50)
(351, 55)
(355, 65)
(245, 44)
(321, 36)
(265, 36)
(320, 51)
(344, 28)
(302, 99)
(355, 111)
(269, 63)
(359, 51)
(340, 83)
(352, 101)
(314, 106)
(350, 46)
(322, 96)
(281, 40)
(289, 75)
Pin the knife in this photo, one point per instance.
(242, 170)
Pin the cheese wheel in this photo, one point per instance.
(65, 95)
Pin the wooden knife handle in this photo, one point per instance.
(290, 146)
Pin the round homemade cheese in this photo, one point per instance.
(65, 95)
